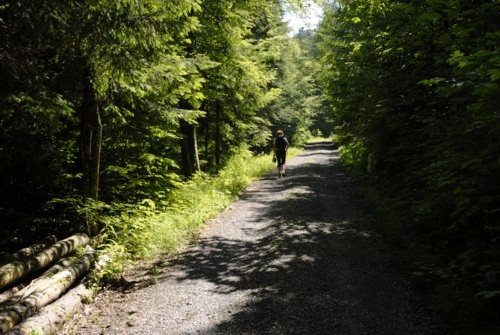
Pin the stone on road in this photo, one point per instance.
(296, 255)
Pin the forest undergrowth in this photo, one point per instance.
(136, 233)
(456, 277)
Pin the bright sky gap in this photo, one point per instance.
(308, 21)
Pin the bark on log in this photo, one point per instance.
(23, 253)
(51, 318)
(9, 293)
(14, 271)
(21, 290)
(22, 306)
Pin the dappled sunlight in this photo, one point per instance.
(298, 242)
(295, 255)
(288, 228)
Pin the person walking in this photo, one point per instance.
(280, 146)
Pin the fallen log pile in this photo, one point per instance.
(36, 307)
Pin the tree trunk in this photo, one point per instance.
(218, 111)
(187, 165)
(189, 149)
(90, 141)
(43, 291)
(14, 271)
(207, 140)
(196, 156)
(51, 317)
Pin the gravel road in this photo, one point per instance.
(297, 255)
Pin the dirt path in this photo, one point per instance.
(291, 256)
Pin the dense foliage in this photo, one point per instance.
(414, 88)
(117, 117)
(106, 104)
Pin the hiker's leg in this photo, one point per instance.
(280, 156)
(283, 163)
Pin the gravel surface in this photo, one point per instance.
(296, 255)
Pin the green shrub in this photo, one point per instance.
(134, 232)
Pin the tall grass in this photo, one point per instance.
(203, 197)
(143, 231)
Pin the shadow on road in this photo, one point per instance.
(313, 265)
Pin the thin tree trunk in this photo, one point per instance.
(196, 156)
(14, 271)
(189, 146)
(187, 165)
(207, 139)
(218, 108)
(90, 142)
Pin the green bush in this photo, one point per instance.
(134, 232)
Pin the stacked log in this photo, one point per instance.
(51, 317)
(19, 269)
(25, 300)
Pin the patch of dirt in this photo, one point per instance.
(296, 255)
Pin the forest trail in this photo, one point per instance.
(296, 255)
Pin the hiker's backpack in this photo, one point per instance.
(280, 142)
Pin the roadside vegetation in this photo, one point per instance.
(142, 232)
(413, 89)
(136, 121)
(110, 109)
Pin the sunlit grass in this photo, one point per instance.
(320, 139)
(146, 232)
(203, 197)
